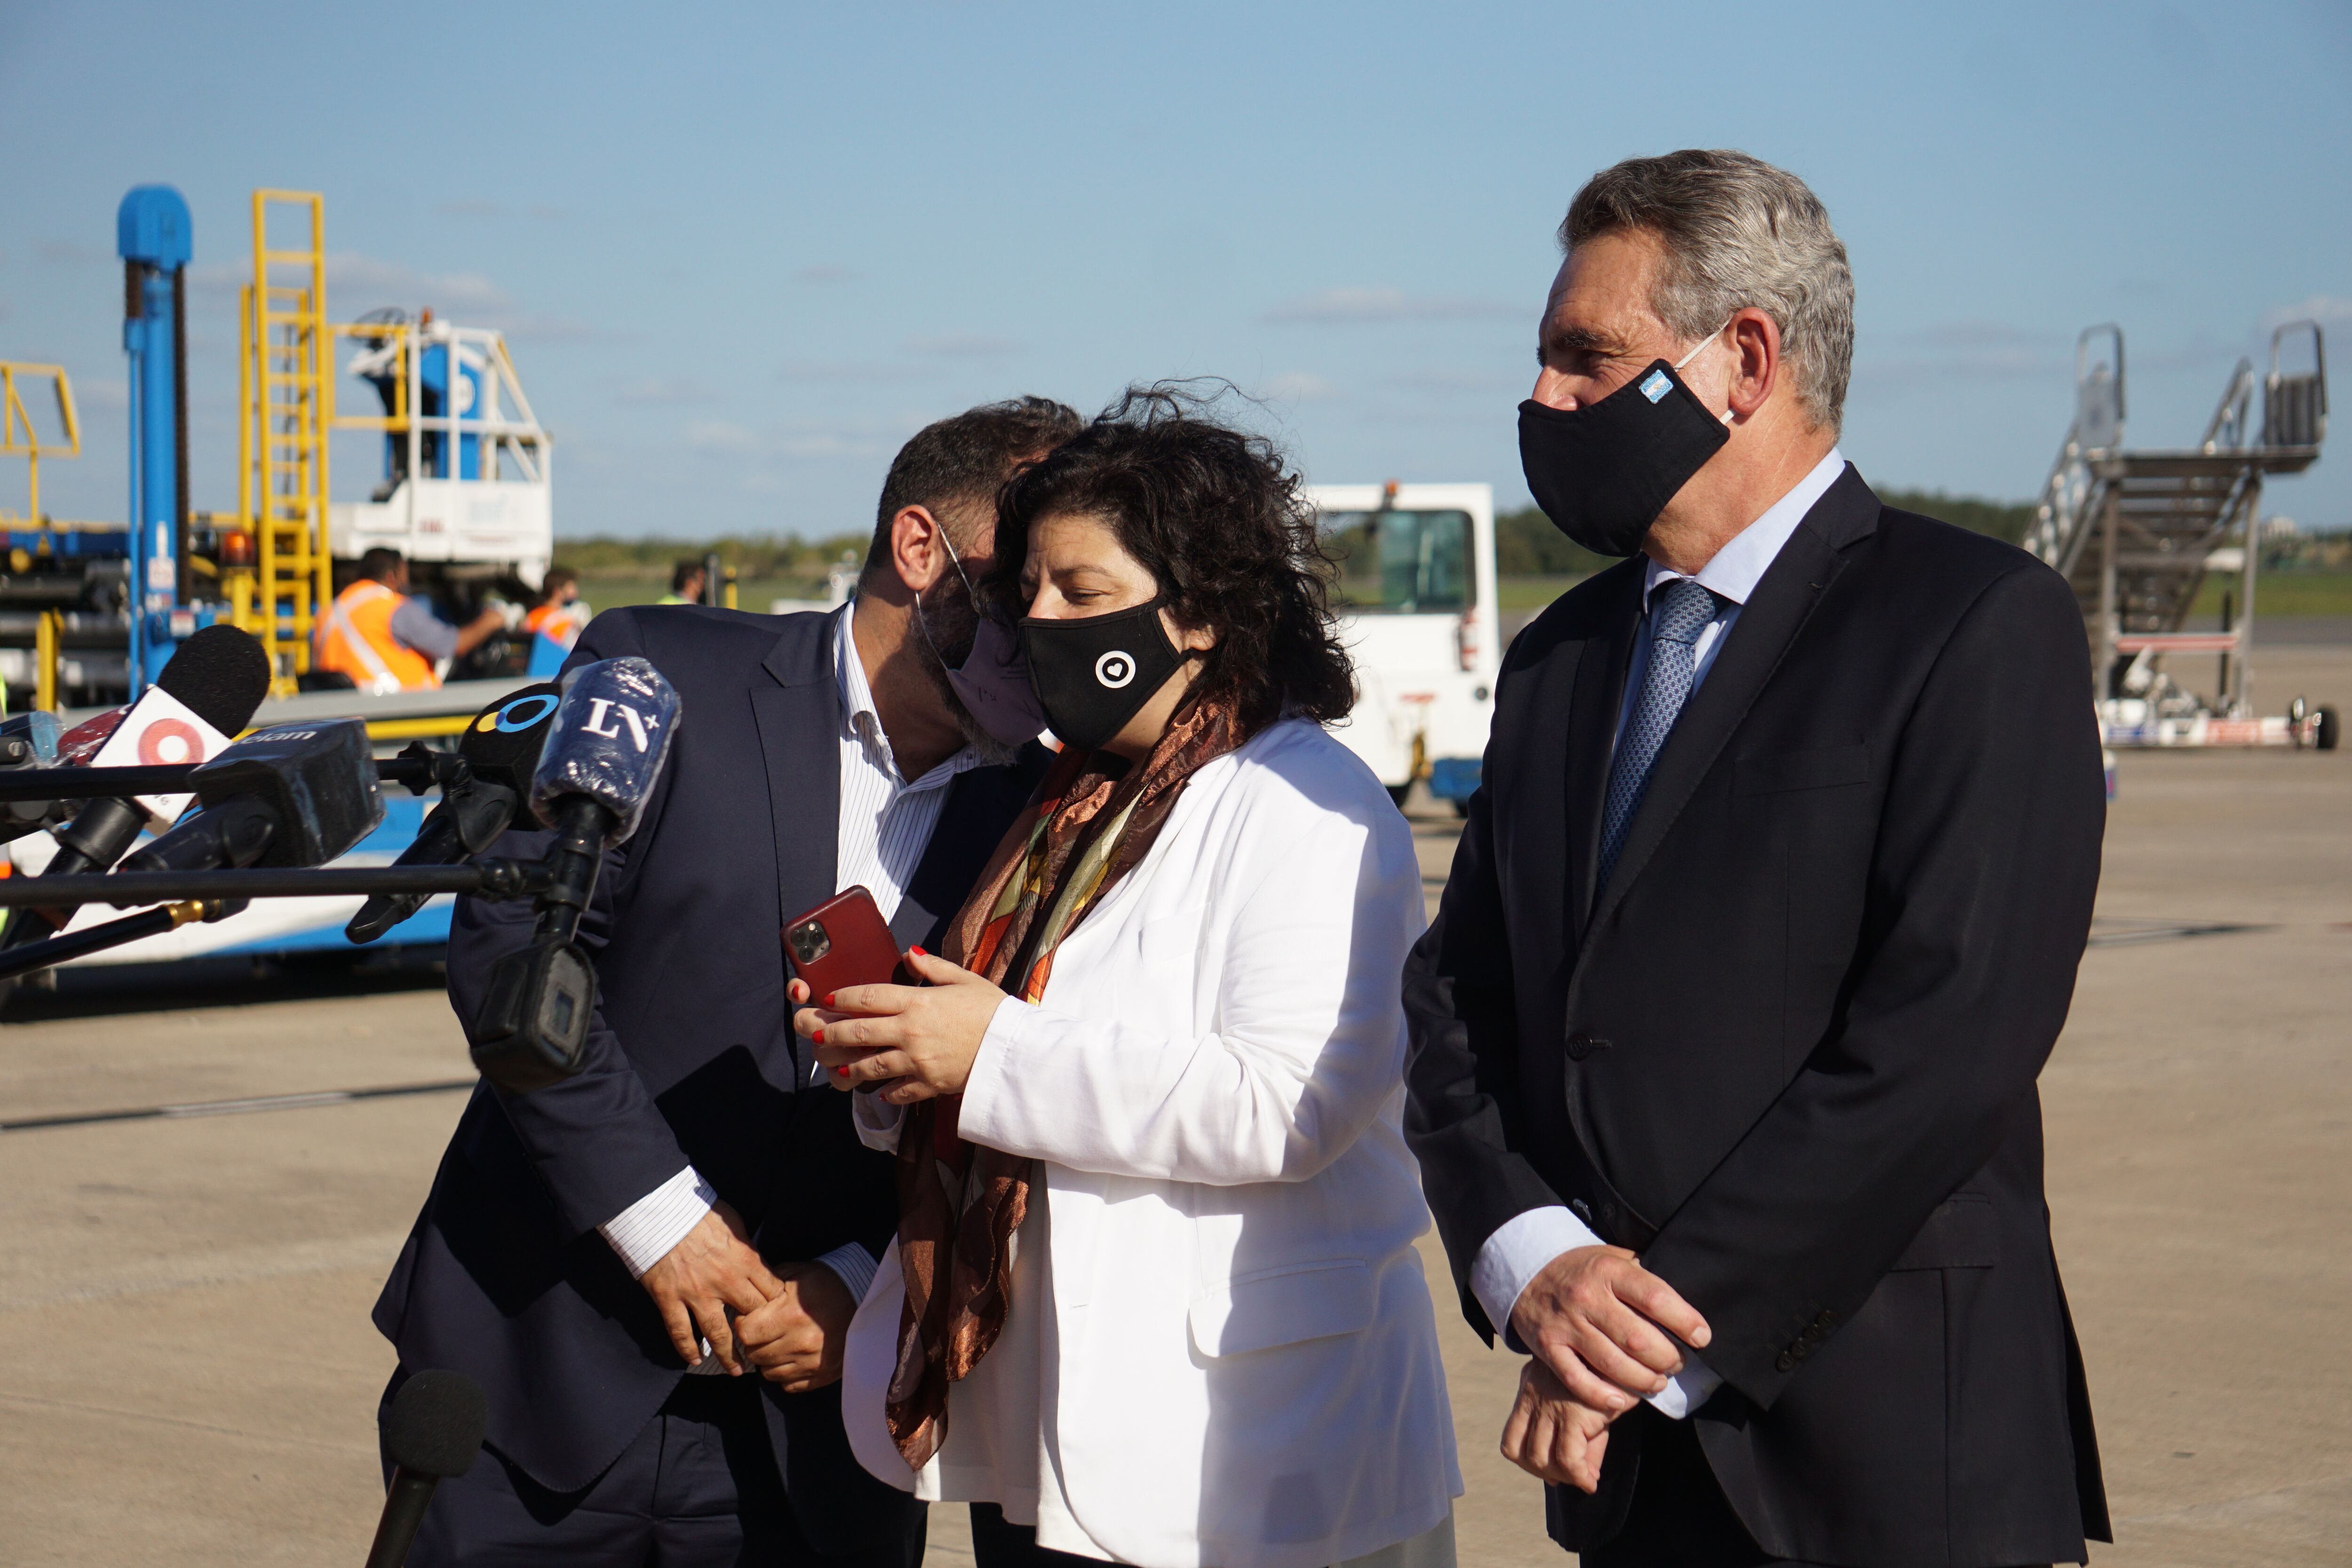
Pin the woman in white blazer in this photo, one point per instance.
(1155, 1298)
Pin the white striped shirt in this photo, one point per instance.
(883, 827)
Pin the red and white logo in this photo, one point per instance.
(161, 731)
(168, 741)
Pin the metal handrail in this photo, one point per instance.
(2230, 413)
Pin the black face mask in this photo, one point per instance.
(1092, 676)
(1602, 473)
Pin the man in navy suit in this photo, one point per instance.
(586, 1246)
(1765, 918)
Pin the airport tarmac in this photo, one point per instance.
(187, 1372)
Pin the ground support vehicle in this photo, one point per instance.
(90, 611)
(1419, 612)
(2137, 532)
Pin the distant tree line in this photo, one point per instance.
(753, 555)
(1525, 544)
(1528, 545)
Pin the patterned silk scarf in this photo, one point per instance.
(959, 1202)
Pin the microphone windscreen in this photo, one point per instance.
(435, 1425)
(221, 674)
(504, 742)
(609, 737)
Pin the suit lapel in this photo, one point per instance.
(1591, 725)
(799, 719)
(1783, 602)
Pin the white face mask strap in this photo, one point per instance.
(1678, 366)
(1700, 344)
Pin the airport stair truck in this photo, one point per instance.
(1416, 598)
(465, 497)
(2137, 532)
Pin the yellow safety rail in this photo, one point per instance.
(20, 437)
(286, 394)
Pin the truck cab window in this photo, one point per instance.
(1402, 563)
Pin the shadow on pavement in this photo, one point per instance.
(231, 981)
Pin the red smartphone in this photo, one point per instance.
(844, 941)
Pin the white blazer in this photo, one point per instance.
(1246, 1368)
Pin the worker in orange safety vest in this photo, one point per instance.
(386, 641)
(559, 615)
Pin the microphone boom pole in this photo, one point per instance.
(482, 879)
(417, 774)
(69, 945)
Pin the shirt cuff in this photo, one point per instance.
(1687, 1389)
(1520, 1248)
(855, 1265)
(877, 1122)
(644, 1232)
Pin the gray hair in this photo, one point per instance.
(1737, 232)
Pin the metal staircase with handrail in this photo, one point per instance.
(2137, 532)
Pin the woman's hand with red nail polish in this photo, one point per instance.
(924, 1036)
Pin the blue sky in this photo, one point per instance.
(742, 252)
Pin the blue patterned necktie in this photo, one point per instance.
(1682, 610)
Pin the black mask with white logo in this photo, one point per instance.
(1092, 675)
(1602, 473)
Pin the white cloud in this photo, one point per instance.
(543, 329)
(1300, 387)
(848, 374)
(398, 283)
(2326, 309)
(1351, 306)
(962, 345)
(1969, 350)
(727, 438)
(819, 443)
(1481, 383)
(71, 253)
(720, 436)
(664, 389)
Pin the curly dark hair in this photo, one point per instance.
(1220, 523)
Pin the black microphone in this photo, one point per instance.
(430, 1435)
(500, 747)
(606, 745)
(207, 691)
(296, 794)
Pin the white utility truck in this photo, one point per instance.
(468, 469)
(1418, 610)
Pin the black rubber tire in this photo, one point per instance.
(2331, 730)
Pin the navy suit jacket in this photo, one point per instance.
(690, 1057)
(1787, 1052)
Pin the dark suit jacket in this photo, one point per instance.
(690, 1057)
(1789, 1053)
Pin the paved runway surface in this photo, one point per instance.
(187, 1373)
